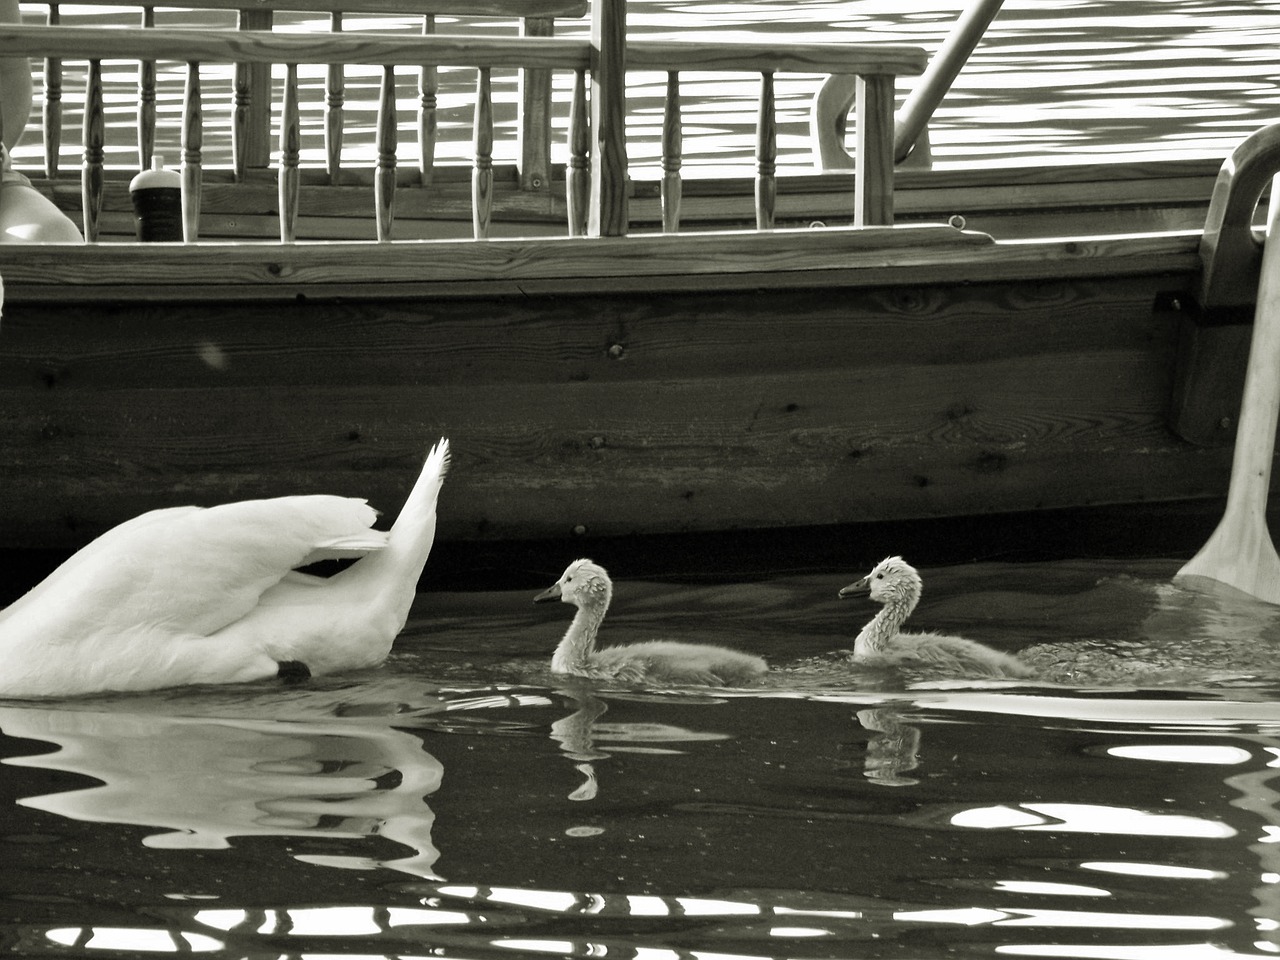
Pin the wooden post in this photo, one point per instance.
(535, 115)
(873, 152)
(251, 134)
(608, 205)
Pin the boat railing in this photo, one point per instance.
(251, 130)
(596, 180)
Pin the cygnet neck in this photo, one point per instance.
(877, 635)
(579, 641)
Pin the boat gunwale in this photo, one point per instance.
(848, 257)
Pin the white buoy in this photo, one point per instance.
(1240, 552)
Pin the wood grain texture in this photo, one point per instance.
(474, 8)
(651, 412)
(873, 153)
(848, 257)
(607, 207)
(260, 46)
(254, 149)
(750, 57)
(534, 135)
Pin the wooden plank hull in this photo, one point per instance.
(602, 387)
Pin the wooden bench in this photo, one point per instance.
(596, 187)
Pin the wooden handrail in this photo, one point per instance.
(259, 46)
(408, 8)
(864, 59)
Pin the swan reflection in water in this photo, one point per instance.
(893, 749)
(580, 730)
(207, 780)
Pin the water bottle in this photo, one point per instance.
(157, 202)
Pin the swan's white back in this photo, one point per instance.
(194, 595)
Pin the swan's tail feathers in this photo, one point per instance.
(417, 518)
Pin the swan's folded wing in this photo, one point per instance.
(86, 563)
(348, 547)
(188, 570)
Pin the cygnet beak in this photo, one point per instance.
(551, 593)
(857, 589)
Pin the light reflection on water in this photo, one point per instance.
(460, 802)
(1051, 83)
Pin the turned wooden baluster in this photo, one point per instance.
(766, 155)
(384, 177)
(482, 173)
(428, 87)
(241, 119)
(192, 147)
(873, 152)
(290, 143)
(52, 111)
(672, 146)
(334, 99)
(578, 176)
(91, 178)
(146, 99)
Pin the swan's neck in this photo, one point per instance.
(877, 635)
(579, 641)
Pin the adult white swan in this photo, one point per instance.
(191, 595)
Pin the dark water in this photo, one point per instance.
(462, 803)
(1068, 81)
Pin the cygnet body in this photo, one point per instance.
(587, 586)
(895, 584)
(193, 595)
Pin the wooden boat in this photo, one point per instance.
(612, 357)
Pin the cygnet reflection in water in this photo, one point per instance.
(587, 586)
(896, 584)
